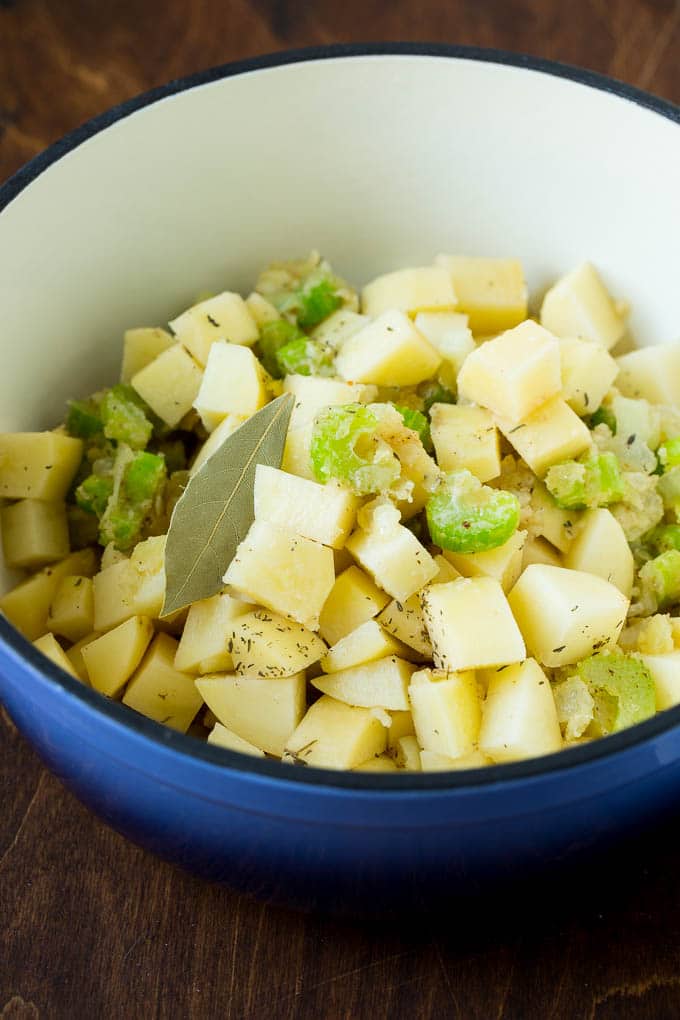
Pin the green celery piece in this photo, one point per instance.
(603, 416)
(274, 336)
(346, 446)
(124, 420)
(434, 393)
(465, 516)
(591, 482)
(664, 537)
(416, 421)
(668, 454)
(83, 419)
(141, 475)
(661, 577)
(621, 687)
(303, 356)
(668, 488)
(93, 494)
(317, 301)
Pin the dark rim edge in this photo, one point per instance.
(22, 650)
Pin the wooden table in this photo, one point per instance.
(93, 927)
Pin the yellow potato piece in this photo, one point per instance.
(34, 532)
(112, 658)
(159, 691)
(366, 643)
(225, 316)
(37, 465)
(222, 737)
(446, 711)
(71, 613)
(75, 656)
(380, 684)
(588, 371)
(205, 637)
(233, 383)
(27, 605)
(169, 384)
(132, 587)
(601, 548)
(50, 647)
(262, 710)
(492, 292)
(388, 352)
(579, 305)
(391, 554)
(379, 763)
(466, 438)
(409, 290)
(407, 753)
(549, 435)
(504, 563)
(263, 643)
(140, 347)
(322, 513)
(652, 373)
(519, 717)
(337, 736)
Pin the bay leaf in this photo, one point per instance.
(215, 511)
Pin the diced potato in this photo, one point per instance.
(407, 754)
(366, 643)
(223, 317)
(652, 373)
(566, 615)
(665, 670)
(27, 605)
(261, 310)
(471, 625)
(406, 621)
(75, 656)
(538, 550)
(409, 290)
(401, 725)
(112, 658)
(600, 547)
(226, 428)
(112, 555)
(492, 292)
(379, 763)
(266, 644)
(50, 647)
(449, 333)
(169, 384)
(519, 717)
(297, 459)
(34, 532)
(314, 393)
(588, 371)
(446, 711)
(133, 587)
(141, 347)
(222, 737)
(206, 634)
(466, 438)
(431, 761)
(323, 513)
(551, 434)
(550, 522)
(233, 383)
(71, 612)
(353, 599)
(336, 736)
(159, 691)
(338, 327)
(636, 418)
(392, 554)
(282, 571)
(37, 465)
(262, 710)
(579, 305)
(381, 684)
(515, 374)
(503, 563)
(388, 352)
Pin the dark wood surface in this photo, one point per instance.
(90, 926)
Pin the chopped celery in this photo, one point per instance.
(604, 416)
(660, 577)
(622, 689)
(93, 493)
(317, 301)
(274, 336)
(303, 356)
(124, 420)
(669, 454)
(416, 421)
(346, 445)
(434, 393)
(591, 482)
(84, 419)
(465, 516)
(664, 537)
(668, 488)
(143, 476)
(138, 478)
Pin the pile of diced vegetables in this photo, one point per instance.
(469, 553)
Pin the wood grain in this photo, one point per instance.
(92, 927)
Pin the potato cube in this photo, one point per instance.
(50, 647)
(220, 736)
(283, 571)
(392, 554)
(74, 654)
(579, 305)
(538, 550)
(314, 393)
(159, 691)
(233, 383)
(466, 438)
(338, 327)
(141, 347)
(378, 763)
(297, 458)
(323, 513)
(409, 290)
(551, 434)
(407, 754)
(336, 736)
(112, 658)
(366, 643)
(566, 615)
(388, 352)
(261, 310)
(169, 384)
(652, 373)
(446, 711)
(226, 428)
(588, 371)
(550, 522)
(492, 292)
(503, 563)
(514, 374)
(470, 624)
(34, 532)
(262, 710)
(665, 670)
(71, 611)
(266, 644)
(431, 761)
(353, 599)
(38, 465)
(519, 717)
(27, 605)
(449, 333)
(406, 622)
(601, 548)
(401, 725)
(223, 317)
(380, 684)
(132, 587)
(206, 635)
